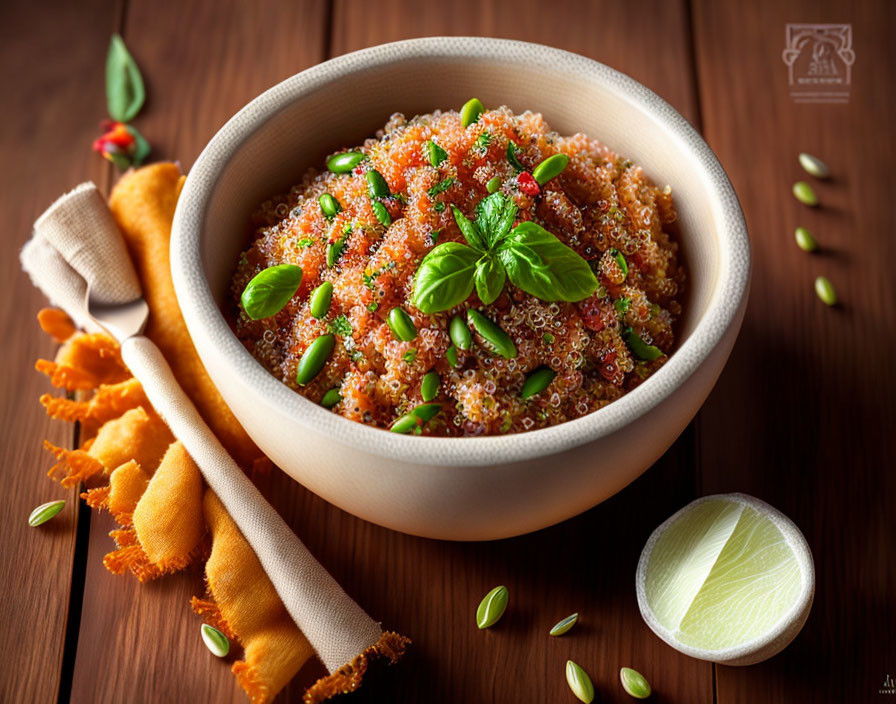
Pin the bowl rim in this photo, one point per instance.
(206, 323)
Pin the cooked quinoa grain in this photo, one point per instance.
(600, 205)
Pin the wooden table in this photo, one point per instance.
(802, 417)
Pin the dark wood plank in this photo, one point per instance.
(429, 589)
(53, 98)
(202, 61)
(804, 415)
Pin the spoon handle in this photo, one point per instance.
(337, 628)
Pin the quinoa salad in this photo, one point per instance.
(463, 273)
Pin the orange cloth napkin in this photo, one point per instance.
(154, 490)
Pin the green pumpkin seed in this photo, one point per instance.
(382, 214)
(825, 290)
(402, 325)
(425, 412)
(345, 162)
(329, 206)
(639, 348)
(434, 153)
(497, 340)
(429, 387)
(634, 684)
(564, 626)
(550, 168)
(270, 290)
(471, 111)
(451, 356)
(376, 185)
(334, 251)
(814, 166)
(405, 424)
(460, 333)
(804, 240)
(804, 193)
(537, 382)
(492, 607)
(319, 303)
(45, 512)
(215, 641)
(579, 682)
(314, 359)
(331, 398)
(493, 184)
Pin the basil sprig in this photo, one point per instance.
(530, 256)
(125, 93)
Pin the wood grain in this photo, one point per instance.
(202, 61)
(804, 415)
(50, 115)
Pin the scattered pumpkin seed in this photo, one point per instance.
(825, 290)
(451, 356)
(550, 168)
(804, 193)
(314, 359)
(620, 260)
(814, 166)
(471, 111)
(215, 641)
(579, 682)
(492, 607)
(634, 684)
(319, 303)
(434, 153)
(376, 185)
(45, 512)
(344, 162)
(498, 341)
(804, 240)
(401, 324)
(429, 387)
(425, 412)
(564, 626)
(270, 289)
(460, 333)
(537, 382)
(331, 398)
(329, 206)
(493, 184)
(382, 214)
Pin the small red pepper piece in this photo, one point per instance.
(528, 184)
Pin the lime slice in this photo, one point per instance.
(727, 579)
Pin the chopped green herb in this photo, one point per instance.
(434, 235)
(303, 243)
(441, 187)
(372, 306)
(482, 142)
(548, 338)
(439, 207)
(622, 305)
(620, 260)
(512, 151)
(340, 326)
(409, 356)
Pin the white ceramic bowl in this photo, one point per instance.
(458, 488)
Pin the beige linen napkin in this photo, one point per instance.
(76, 244)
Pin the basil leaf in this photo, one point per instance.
(469, 230)
(270, 290)
(541, 265)
(494, 217)
(125, 93)
(489, 279)
(445, 277)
